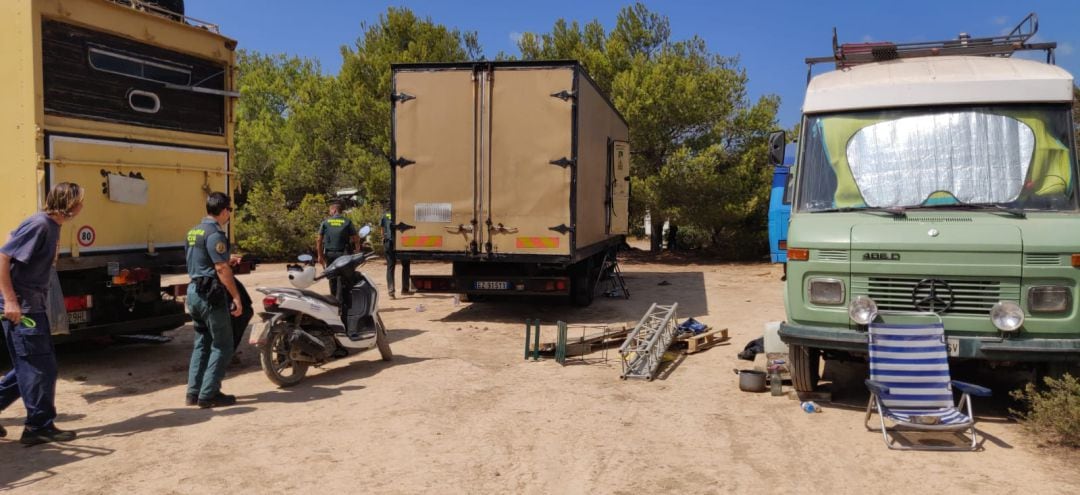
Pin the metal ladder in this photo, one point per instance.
(644, 348)
(611, 275)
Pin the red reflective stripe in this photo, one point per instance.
(537, 242)
(422, 241)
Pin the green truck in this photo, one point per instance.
(936, 181)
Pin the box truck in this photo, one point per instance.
(516, 173)
(133, 102)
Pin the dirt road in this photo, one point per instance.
(459, 411)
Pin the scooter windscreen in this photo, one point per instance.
(343, 263)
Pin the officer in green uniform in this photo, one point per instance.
(337, 237)
(212, 299)
(387, 224)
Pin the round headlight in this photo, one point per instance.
(862, 310)
(1007, 316)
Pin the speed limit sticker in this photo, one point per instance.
(86, 236)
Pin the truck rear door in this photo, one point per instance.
(435, 140)
(527, 184)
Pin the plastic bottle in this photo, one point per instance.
(810, 407)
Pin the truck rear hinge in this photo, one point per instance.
(401, 97)
(562, 229)
(564, 162)
(564, 95)
(401, 162)
(402, 227)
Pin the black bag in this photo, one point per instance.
(212, 290)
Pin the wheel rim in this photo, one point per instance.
(280, 362)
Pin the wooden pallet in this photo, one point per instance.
(702, 341)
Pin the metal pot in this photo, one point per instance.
(751, 380)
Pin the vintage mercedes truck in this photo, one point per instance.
(936, 181)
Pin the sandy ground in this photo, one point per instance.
(459, 411)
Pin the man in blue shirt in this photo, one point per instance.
(26, 264)
(212, 299)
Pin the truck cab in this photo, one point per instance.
(936, 183)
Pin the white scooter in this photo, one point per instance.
(301, 328)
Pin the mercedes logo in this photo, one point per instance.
(933, 295)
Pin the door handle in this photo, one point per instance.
(460, 229)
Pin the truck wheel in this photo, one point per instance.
(275, 360)
(582, 283)
(804, 367)
(382, 340)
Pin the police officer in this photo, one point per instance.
(212, 300)
(387, 224)
(26, 264)
(337, 237)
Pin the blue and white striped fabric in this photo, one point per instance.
(912, 360)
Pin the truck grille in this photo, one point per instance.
(1041, 259)
(832, 255)
(972, 296)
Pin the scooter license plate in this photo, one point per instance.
(491, 285)
(258, 333)
(78, 317)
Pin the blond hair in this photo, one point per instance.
(63, 199)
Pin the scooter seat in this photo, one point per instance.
(326, 299)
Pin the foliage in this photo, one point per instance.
(271, 227)
(1053, 413)
(698, 144)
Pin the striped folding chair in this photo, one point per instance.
(910, 384)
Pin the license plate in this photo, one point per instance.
(491, 285)
(954, 347)
(78, 317)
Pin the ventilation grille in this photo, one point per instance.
(969, 296)
(1042, 259)
(932, 219)
(832, 255)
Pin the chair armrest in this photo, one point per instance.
(970, 389)
(876, 387)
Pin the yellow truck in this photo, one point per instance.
(134, 103)
(518, 173)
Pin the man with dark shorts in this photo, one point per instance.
(27, 261)
(337, 237)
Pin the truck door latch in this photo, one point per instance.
(401, 162)
(460, 229)
(401, 97)
(500, 228)
(402, 227)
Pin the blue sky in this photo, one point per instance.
(771, 38)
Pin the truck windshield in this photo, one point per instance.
(1018, 157)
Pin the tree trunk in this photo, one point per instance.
(656, 240)
(673, 235)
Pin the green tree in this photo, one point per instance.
(691, 124)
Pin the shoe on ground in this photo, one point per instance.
(46, 435)
(191, 399)
(219, 400)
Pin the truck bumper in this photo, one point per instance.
(144, 325)
(982, 348)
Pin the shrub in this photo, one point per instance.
(1053, 413)
(270, 227)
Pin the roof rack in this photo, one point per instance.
(163, 12)
(851, 54)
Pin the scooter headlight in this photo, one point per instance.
(863, 310)
(1007, 316)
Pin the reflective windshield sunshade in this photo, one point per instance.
(975, 157)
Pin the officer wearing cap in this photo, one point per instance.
(212, 299)
(337, 237)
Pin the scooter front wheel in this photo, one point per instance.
(275, 360)
(382, 340)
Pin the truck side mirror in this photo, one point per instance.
(777, 142)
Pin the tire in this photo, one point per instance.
(805, 363)
(582, 283)
(274, 358)
(382, 341)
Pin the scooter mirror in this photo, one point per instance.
(365, 230)
(305, 258)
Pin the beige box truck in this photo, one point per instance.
(133, 103)
(518, 173)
